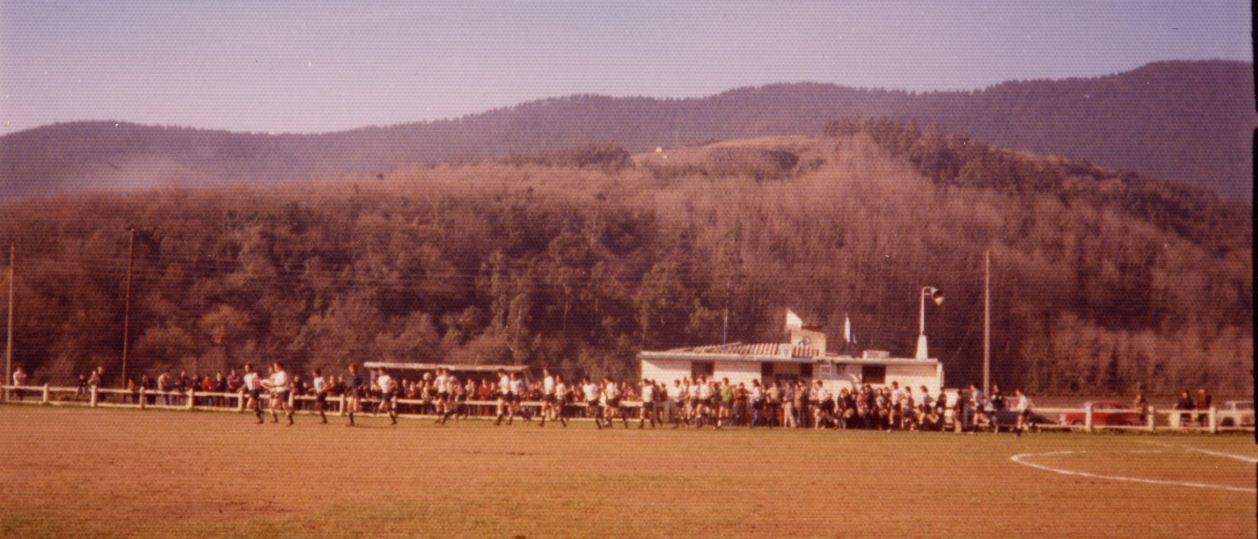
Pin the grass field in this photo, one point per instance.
(155, 473)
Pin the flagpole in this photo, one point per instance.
(987, 320)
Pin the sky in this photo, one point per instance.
(317, 66)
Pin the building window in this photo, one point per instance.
(874, 374)
(701, 368)
(805, 370)
(766, 370)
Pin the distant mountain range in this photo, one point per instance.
(1186, 121)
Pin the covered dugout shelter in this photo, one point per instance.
(803, 357)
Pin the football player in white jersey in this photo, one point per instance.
(519, 390)
(590, 391)
(253, 388)
(561, 401)
(279, 385)
(550, 399)
(448, 390)
(320, 386)
(648, 404)
(1021, 405)
(504, 397)
(611, 403)
(441, 394)
(388, 389)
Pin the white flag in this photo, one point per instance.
(793, 320)
(847, 328)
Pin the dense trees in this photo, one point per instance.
(1103, 280)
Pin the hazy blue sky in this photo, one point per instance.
(315, 66)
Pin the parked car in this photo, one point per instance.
(1103, 413)
(1236, 414)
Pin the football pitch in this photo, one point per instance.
(164, 473)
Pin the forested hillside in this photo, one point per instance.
(1103, 281)
(1185, 121)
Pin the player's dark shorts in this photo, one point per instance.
(255, 393)
(443, 396)
(549, 399)
(354, 392)
(713, 401)
(592, 405)
(321, 398)
(280, 395)
(648, 406)
(613, 403)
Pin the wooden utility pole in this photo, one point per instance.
(8, 347)
(126, 312)
(987, 321)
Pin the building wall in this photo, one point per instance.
(840, 376)
(743, 372)
(665, 370)
(915, 376)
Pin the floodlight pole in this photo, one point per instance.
(8, 347)
(126, 313)
(935, 296)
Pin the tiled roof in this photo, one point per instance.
(752, 349)
(773, 352)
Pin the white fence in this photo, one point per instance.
(1090, 419)
(1086, 419)
(235, 402)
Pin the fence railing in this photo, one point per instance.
(1086, 419)
(192, 399)
(1152, 419)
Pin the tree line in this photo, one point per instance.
(1103, 281)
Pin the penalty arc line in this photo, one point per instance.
(1020, 460)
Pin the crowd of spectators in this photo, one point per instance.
(683, 403)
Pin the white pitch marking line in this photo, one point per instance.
(1233, 456)
(1019, 459)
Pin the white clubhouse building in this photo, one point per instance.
(803, 357)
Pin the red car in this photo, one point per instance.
(1104, 413)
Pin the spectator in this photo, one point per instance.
(148, 386)
(165, 384)
(1204, 400)
(96, 380)
(81, 391)
(1185, 403)
(19, 379)
(1141, 405)
(234, 381)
